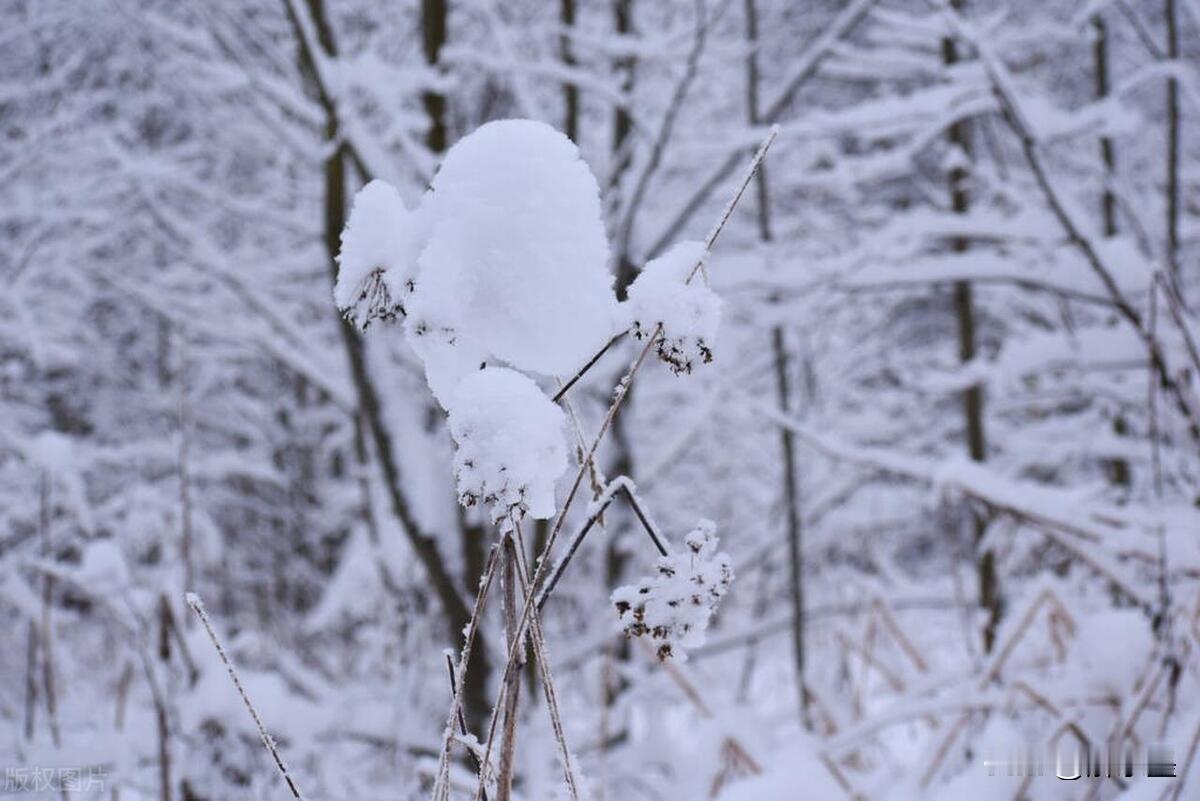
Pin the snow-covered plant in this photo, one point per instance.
(502, 272)
(505, 262)
(510, 445)
(504, 259)
(516, 258)
(670, 293)
(376, 266)
(672, 607)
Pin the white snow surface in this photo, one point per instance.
(515, 269)
(52, 451)
(103, 569)
(511, 444)
(689, 313)
(1112, 648)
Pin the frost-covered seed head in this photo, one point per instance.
(372, 302)
(687, 314)
(674, 606)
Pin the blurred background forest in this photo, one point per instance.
(950, 436)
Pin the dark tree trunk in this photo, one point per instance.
(622, 127)
(616, 558)
(445, 586)
(972, 400)
(433, 36)
(791, 496)
(566, 17)
(1118, 469)
(1171, 13)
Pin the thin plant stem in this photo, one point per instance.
(193, 600)
(590, 363)
(709, 241)
(538, 640)
(462, 720)
(441, 787)
(512, 692)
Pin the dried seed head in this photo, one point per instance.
(673, 607)
(373, 301)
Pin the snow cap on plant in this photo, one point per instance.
(672, 608)
(510, 445)
(688, 311)
(516, 266)
(377, 262)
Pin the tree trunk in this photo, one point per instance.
(964, 308)
(46, 638)
(1118, 468)
(622, 125)
(566, 17)
(791, 498)
(455, 610)
(433, 36)
(616, 558)
(160, 708)
(1171, 13)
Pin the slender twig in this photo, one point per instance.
(512, 690)
(1139, 28)
(808, 63)
(709, 241)
(193, 600)
(538, 639)
(619, 396)
(590, 363)
(462, 720)
(674, 106)
(1152, 402)
(620, 484)
(1176, 790)
(719, 225)
(441, 787)
(643, 518)
(561, 566)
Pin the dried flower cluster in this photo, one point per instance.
(680, 353)
(670, 294)
(376, 265)
(673, 606)
(373, 301)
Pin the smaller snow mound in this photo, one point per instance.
(103, 570)
(673, 607)
(53, 452)
(511, 447)
(689, 313)
(1111, 650)
(377, 262)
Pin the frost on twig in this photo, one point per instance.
(193, 600)
(688, 311)
(672, 608)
